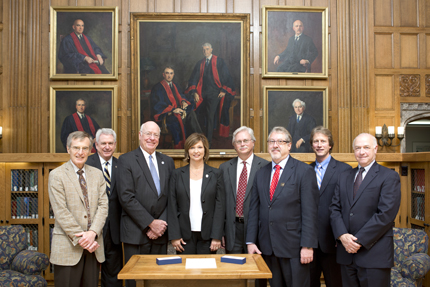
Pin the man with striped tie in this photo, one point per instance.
(107, 163)
(327, 171)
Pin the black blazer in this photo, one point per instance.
(326, 240)
(212, 200)
(229, 169)
(138, 195)
(289, 222)
(114, 215)
(369, 216)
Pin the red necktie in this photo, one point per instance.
(275, 180)
(241, 189)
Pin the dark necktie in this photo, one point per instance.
(358, 181)
(298, 119)
(207, 62)
(275, 180)
(83, 184)
(107, 177)
(241, 189)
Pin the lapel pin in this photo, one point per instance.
(162, 162)
(207, 175)
(282, 184)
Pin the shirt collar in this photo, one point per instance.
(324, 163)
(282, 163)
(146, 154)
(248, 160)
(81, 115)
(210, 57)
(76, 168)
(102, 161)
(366, 168)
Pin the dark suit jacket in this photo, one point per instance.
(288, 222)
(212, 200)
(326, 240)
(291, 56)
(369, 216)
(138, 195)
(114, 215)
(229, 169)
(301, 130)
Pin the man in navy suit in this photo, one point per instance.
(143, 190)
(237, 203)
(107, 163)
(364, 206)
(283, 214)
(327, 171)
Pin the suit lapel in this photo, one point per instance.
(254, 167)
(185, 176)
(75, 181)
(286, 174)
(350, 185)
(207, 174)
(371, 174)
(331, 168)
(91, 187)
(114, 170)
(140, 158)
(232, 174)
(162, 172)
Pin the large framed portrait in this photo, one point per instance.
(84, 43)
(295, 42)
(190, 74)
(298, 109)
(83, 108)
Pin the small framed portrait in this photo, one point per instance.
(295, 42)
(298, 109)
(84, 43)
(190, 73)
(80, 108)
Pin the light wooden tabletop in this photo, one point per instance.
(145, 267)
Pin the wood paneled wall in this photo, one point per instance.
(379, 56)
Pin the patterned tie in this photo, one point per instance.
(319, 176)
(107, 177)
(358, 181)
(83, 184)
(241, 189)
(275, 180)
(154, 175)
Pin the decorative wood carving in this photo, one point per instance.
(427, 85)
(409, 85)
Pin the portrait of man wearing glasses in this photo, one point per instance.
(300, 126)
(142, 191)
(283, 214)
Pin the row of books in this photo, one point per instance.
(419, 208)
(24, 180)
(24, 208)
(32, 238)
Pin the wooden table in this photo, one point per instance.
(146, 272)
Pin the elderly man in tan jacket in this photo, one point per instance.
(77, 193)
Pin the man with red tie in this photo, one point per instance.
(283, 214)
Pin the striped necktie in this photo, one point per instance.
(319, 176)
(107, 177)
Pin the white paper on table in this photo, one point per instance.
(200, 263)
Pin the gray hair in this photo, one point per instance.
(105, 131)
(281, 130)
(81, 99)
(375, 142)
(78, 135)
(141, 127)
(301, 102)
(241, 129)
(207, 45)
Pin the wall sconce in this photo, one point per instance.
(1, 132)
(386, 135)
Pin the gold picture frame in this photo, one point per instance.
(170, 39)
(100, 106)
(279, 111)
(71, 55)
(287, 56)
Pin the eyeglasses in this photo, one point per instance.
(84, 149)
(244, 142)
(279, 142)
(148, 134)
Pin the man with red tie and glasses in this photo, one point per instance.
(283, 214)
(79, 54)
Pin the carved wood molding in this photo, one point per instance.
(427, 85)
(410, 112)
(409, 85)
